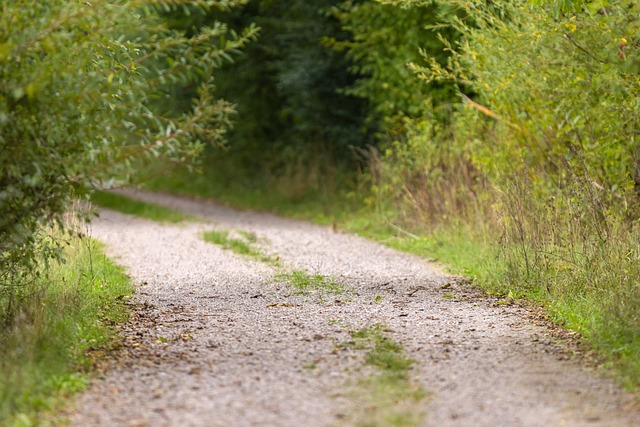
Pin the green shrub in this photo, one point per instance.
(556, 142)
(80, 86)
(574, 117)
(383, 40)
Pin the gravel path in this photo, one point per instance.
(215, 340)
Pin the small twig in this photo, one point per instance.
(484, 110)
(415, 291)
(405, 232)
(583, 49)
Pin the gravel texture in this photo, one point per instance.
(215, 340)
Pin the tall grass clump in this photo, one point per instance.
(583, 261)
(429, 178)
(59, 325)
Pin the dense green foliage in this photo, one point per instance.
(547, 160)
(83, 93)
(292, 120)
(383, 40)
(325, 81)
(286, 85)
(80, 83)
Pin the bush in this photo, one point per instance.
(383, 40)
(574, 117)
(556, 138)
(79, 85)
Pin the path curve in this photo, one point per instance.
(216, 341)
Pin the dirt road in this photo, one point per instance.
(218, 340)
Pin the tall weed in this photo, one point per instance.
(581, 260)
(429, 176)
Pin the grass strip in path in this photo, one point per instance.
(244, 245)
(306, 283)
(63, 323)
(385, 396)
(127, 205)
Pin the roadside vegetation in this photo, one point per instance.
(63, 323)
(87, 96)
(127, 205)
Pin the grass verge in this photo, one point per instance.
(130, 206)
(385, 396)
(597, 298)
(66, 320)
(242, 245)
(265, 194)
(461, 249)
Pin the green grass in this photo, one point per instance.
(596, 299)
(459, 248)
(306, 283)
(385, 396)
(264, 194)
(129, 206)
(245, 245)
(64, 323)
